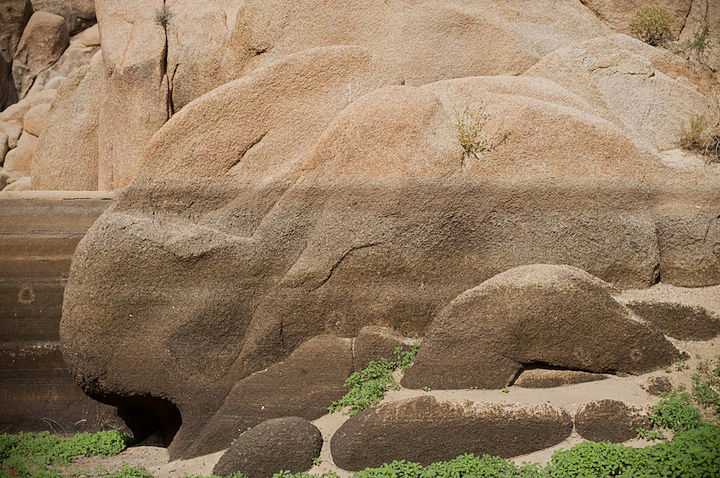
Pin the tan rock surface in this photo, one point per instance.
(20, 159)
(91, 36)
(618, 77)
(75, 56)
(78, 14)
(67, 154)
(253, 130)
(35, 119)
(44, 39)
(619, 13)
(136, 91)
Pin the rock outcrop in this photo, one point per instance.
(541, 314)
(44, 39)
(289, 444)
(425, 430)
(67, 154)
(78, 14)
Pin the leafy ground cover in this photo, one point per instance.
(369, 385)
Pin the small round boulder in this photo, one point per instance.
(290, 443)
(609, 420)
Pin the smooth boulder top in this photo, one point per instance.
(560, 316)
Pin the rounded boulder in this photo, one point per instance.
(290, 443)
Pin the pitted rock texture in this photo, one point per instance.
(540, 314)
(289, 444)
(679, 321)
(426, 430)
(546, 378)
(303, 385)
(66, 157)
(610, 420)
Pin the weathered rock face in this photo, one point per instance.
(67, 154)
(19, 160)
(657, 385)
(645, 90)
(610, 420)
(35, 119)
(14, 15)
(45, 38)
(281, 444)
(679, 321)
(5, 82)
(303, 385)
(619, 13)
(426, 430)
(316, 195)
(555, 315)
(78, 14)
(136, 91)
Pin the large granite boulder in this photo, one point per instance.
(647, 91)
(619, 13)
(426, 430)
(43, 41)
(67, 154)
(298, 206)
(560, 316)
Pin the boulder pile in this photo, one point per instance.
(305, 185)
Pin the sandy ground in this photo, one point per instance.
(627, 389)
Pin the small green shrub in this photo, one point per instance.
(470, 126)
(706, 385)
(34, 453)
(594, 459)
(676, 411)
(304, 474)
(651, 24)
(368, 386)
(691, 136)
(128, 471)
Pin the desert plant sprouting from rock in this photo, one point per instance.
(470, 125)
(699, 136)
(651, 24)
